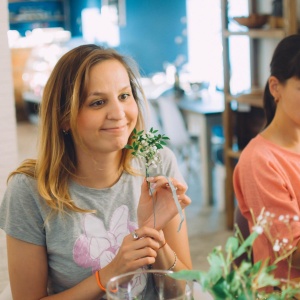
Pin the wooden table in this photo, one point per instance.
(206, 114)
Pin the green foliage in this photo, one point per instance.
(225, 280)
(146, 146)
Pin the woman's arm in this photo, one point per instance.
(28, 267)
(28, 272)
(175, 242)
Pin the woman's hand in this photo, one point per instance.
(165, 207)
(138, 249)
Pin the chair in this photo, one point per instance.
(183, 145)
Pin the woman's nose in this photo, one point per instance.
(116, 110)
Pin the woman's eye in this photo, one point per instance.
(97, 103)
(124, 96)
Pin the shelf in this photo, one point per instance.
(50, 19)
(253, 99)
(233, 153)
(241, 123)
(257, 33)
(29, 14)
(22, 1)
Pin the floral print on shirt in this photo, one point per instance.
(96, 247)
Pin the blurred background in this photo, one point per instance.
(179, 47)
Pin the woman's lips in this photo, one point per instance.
(115, 129)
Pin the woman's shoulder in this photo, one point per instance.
(21, 181)
(167, 153)
(261, 147)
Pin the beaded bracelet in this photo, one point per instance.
(99, 282)
(174, 264)
(171, 268)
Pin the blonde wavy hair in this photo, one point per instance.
(63, 97)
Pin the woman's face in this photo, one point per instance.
(288, 106)
(109, 113)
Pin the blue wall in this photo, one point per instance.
(150, 31)
(149, 36)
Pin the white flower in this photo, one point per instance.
(276, 246)
(281, 218)
(258, 229)
(219, 248)
(296, 218)
(147, 146)
(259, 218)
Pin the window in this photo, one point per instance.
(205, 44)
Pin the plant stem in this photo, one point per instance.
(153, 202)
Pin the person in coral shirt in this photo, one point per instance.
(267, 175)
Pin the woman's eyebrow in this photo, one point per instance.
(98, 93)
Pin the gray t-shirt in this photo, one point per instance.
(78, 244)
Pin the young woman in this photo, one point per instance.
(81, 212)
(268, 172)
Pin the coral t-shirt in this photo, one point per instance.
(268, 176)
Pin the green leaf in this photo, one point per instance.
(128, 147)
(219, 289)
(246, 245)
(187, 275)
(256, 267)
(232, 245)
(165, 138)
(163, 143)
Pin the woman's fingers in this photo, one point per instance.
(145, 242)
(147, 236)
(162, 182)
(184, 200)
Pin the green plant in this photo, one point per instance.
(146, 145)
(247, 281)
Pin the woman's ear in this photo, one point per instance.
(274, 86)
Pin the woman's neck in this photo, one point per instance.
(100, 172)
(283, 135)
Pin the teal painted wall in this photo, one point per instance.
(150, 31)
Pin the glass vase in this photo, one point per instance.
(149, 285)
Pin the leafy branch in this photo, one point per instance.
(146, 146)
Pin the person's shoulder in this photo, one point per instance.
(20, 181)
(166, 153)
(260, 154)
(257, 147)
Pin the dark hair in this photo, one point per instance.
(284, 65)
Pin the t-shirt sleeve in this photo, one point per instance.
(169, 166)
(21, 211)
